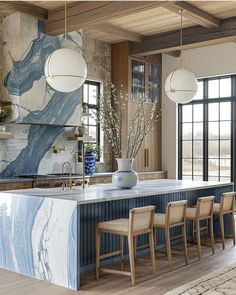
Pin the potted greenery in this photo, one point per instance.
(92, 153)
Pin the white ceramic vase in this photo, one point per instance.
(124, 177)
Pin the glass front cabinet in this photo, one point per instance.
(145, 81)
(144, 85)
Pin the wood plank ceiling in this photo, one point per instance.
(135, 21)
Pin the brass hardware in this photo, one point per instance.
(146, 157)
(67, 183)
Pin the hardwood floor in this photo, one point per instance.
(14, 284)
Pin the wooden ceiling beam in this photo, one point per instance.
(84, 14)
(175, 53)
(192, 37)
(118, 32)
(195, 14)
(24, 7)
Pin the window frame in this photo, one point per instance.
(205, 101)
(92, 107)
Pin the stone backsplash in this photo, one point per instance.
(30, 152)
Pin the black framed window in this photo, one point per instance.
(206, 131)
(91, 94)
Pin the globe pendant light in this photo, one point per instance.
(181, 85)
(65, 69)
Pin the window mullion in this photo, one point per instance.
(233, 132)
(180, 143)
(205, 130)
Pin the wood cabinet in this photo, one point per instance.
(15, 185)
(140, 78)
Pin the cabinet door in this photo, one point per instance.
(153, 83)
(138, 80)
(148, 157)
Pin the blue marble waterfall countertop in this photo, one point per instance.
(107, 192)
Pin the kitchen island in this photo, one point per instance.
(49, 234)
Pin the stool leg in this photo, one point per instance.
(135, 249)
(233, 228)
(168, 248)
(155, 237)
(212, 236)
(131, 258)
(198, 239)
(185, 243)
(97, 251)
(122, 253)
(193, 231)
(222, 232)
(152, 250)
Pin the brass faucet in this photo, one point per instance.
(67, 183)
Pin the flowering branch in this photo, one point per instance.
(112, 106)
(112, 110)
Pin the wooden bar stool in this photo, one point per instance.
(174, 217)
(140, 222)
(226, 206)
(203, 211)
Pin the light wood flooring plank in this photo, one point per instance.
(15, 284)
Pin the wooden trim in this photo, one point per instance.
(24, 7)
(81, 15)
(197, 15)
(16, 185)
(116, 31)
(193, 37)
(107, 255)
(175, 53)
(114, 271)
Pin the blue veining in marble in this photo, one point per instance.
(58, 111)
(26, 226)
(73, 279)
(17, 219)
(40, 138)
(43, 251)
(31, 68)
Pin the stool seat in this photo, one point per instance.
(190, 213)
(159, 220)
(216, 208)
(118, 225)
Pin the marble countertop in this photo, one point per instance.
(107, 192)
(54, 176)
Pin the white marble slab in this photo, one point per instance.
(107, 192)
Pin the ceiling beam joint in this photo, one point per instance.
(195, 14)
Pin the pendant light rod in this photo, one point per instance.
(65, 26)
(181, 85)
(181, 37)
